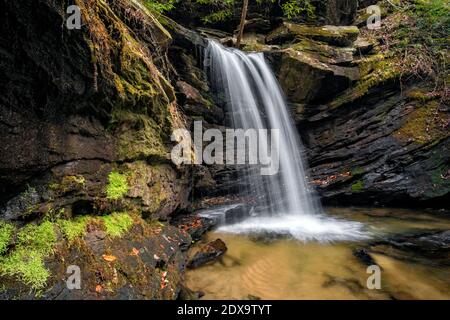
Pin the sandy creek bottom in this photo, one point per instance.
(290, 269)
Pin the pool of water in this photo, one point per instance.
(296, 267)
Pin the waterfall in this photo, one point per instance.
(256, 101)
(284, 202)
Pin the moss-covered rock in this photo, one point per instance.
(306, 78)
(335, 35)
(425, 124)
(313, 71)
(157, 190)
(376, 71)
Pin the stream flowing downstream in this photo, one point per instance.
(260, 267)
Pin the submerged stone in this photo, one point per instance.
(208, 253)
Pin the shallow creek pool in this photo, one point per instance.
(261, 267)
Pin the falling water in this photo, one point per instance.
(284, 202)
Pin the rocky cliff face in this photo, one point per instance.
(376, 132)
(86, 117)
(83, 103)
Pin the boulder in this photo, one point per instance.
(312, 71)
(431, 247)
(193, 225)
(363, 46)
(207, 253)
(431, 244)
(335, 35)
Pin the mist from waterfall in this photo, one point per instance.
(284, 203)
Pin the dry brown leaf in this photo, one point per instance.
(109, 258)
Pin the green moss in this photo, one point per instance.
(255, 47)
(117, 186)
(26, 261)
(126, 63)
(38, 237)
(424, 125)
(358, 186)
(6, 233)
(140, 86)
(375, 71)
(145, 140)
(342, 35)
(420, 95)
(27, 266)
(73, 229)
(117, 224)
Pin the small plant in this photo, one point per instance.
(117, 186)
(160, 6)
(297, 8)
(117, 224)
(217, 16)
(219, 10)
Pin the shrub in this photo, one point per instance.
(160, 6)
(298, 8)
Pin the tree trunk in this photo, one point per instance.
(242, 25)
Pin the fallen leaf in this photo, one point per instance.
(109, 258)
(98, 288)
(134, 252)
(164, 281)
